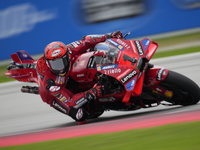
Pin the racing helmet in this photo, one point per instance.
(57, 58)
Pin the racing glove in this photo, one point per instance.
(116, 34)
(96, 91)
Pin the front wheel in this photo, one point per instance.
(185, 91)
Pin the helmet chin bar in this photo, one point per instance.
(63, 74)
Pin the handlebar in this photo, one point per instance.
(126, 34)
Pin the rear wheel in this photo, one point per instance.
(185, 91)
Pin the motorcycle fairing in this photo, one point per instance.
(157, 73)
(23, 67)
(25, 75)
(132, 91)
(107, 67)
(130, 85)
(22, 57)
(146, 43)
(83, 71)
(107, 98)
(153, 77)
(129, 62)
(151, 49)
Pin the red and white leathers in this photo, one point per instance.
(52, 87)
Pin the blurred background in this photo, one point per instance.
(30, 25)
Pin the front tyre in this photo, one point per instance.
(185, 91)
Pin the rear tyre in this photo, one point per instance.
(185, 91)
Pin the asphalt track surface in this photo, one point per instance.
(25, 116)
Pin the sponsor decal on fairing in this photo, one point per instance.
(159, 74)
(113, 42)
(112, 71)
(139, 47)
(106, 67)
(116, 44)
(128, 77)
(23, 56)
(131, 84)
(123, 44)
(145, 43)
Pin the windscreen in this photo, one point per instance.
(110, 51)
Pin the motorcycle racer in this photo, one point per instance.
(54, 78)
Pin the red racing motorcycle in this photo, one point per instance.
(122, 66)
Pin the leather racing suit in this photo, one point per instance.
(52, 88)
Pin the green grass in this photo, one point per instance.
(183, 136)
(3, 78)
(176, 52)
(178, 39)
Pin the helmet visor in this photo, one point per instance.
(59, 65)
